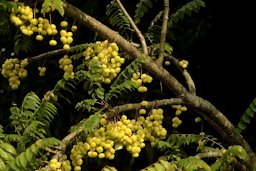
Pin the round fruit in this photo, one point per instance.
(53, 42)
(74, 28)
(39, 37)
(64, 24)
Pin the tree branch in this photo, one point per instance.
(138, 32)
(160, 59)
(136, 106)
(52, 53)
(189, 80)
(195, 102)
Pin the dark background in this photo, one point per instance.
(221, 57)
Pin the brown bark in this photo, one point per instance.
(205, 108)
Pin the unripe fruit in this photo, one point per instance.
(74, 28)
(167, 63)
(198, 119)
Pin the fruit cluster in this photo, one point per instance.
(66, 64)
(183, 63)
(41, 71)
(113, 135)
(176, 122)
(140, 80)
(14, 70)
(107, 55)
(49, 95)
(24, 18)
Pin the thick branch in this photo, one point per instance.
(136, 106)
(138, 32)
(197, 103)
(160, 59)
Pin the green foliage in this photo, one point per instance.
(193, 164)
(246, 118)
(227, 159)
(123, 83)
(23, 160)
(121, 89)
(22, 43)
(79, 48)
(53, 4)
(161, 164)
(117, 18)
(32, 119)
(187, 9)
(91, 82)
(87, 104)
(141, 9)
(87, 124)
(63, 86)
(128, 71)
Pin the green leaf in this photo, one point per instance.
(29, 154)
(238, 151)
(22, 159)
(46, 5)
(58, 4)
(91, 123)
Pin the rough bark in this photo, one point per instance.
(205, 108)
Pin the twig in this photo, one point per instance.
(138, 32)
(51, 54)
(160, 59)
(189, 80)
(209, 154)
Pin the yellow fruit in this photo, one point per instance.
(167, 63)
(142, 89)
(64, 24)
(66, 47)
(107, 81)
(198, 119)
(39, 37)
(53, 42)
(74, 28)
(142, 111)
(144, 103)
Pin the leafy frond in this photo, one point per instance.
(88, 124)
(28, 156)
(22, 43)
(33, 118)
(128, 71)
(63, 86)
(125, 87)
(160, 164)
(79, 48)
(142, 8)
(224, 163)
(246, 118)
(183, 139)
(87, 104)
(187, 9)
(91, 83)
(117, 17)
(193, 163)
